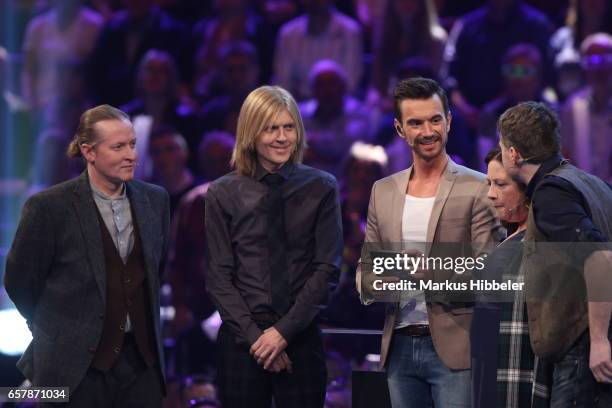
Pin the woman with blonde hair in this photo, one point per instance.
(273, 248)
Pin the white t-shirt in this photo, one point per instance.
(415, 220)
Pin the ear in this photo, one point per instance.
(398, 128)
(449, 118)
(515, 156)
(88, 153)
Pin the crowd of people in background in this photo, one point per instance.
(181, 70)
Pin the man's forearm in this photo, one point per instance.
(597, 271)
(599, 320)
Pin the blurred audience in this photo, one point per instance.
(58, 125)
(214, 154)
(68, 31)
(363, 165)
(583, 18)
(333, 119)
(321, 33)
(410, 28)
(237, 75)
(126, 37)
(234, 21)
(158, 104)
(169, 154)
(586, 119)
(477, 44)
(569, 76)
(186, 263)
(15, 126)
(521, 71)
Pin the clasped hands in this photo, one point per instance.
(269, 351)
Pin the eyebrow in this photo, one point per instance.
(281, 124)
(436, 116)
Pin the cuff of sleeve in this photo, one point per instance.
(253, 333)
(287, 328)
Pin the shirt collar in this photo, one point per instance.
(285, 171)
(546, 167)
(97, 193)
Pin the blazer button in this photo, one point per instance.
(116, 350)
(127, 280)
(122, 327)
(92, 350)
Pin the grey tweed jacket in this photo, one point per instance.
(56, 275)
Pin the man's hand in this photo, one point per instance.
(600, 362)
(268, 347)
(281, 363)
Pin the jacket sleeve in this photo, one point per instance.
(30, 257)
(364, 278)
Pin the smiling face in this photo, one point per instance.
(505, 194)
(112, 158)
(424, 126)
(277, 142)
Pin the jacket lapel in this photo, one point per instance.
(398, 201)
(446, 184)
(85, 208)
(145, 221)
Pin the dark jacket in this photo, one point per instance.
(56, 276)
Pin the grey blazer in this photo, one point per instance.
(56, 276)
(461, 214)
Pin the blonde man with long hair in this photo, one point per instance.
(274, 243)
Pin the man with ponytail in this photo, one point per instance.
(84, 270)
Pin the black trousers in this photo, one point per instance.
(128, 384)
(244, 383)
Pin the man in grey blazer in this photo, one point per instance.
(84, 270)
(433, 204)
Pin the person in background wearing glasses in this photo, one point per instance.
(273, 247)
(84, 270)
(586, 118)
(522, 81)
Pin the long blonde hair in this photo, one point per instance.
(258, 110)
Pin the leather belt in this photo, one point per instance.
(414, 330)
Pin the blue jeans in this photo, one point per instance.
(418, 378)
(573, 382)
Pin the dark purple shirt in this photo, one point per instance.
(238, 277)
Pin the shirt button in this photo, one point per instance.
(122, 327)
(116, 350)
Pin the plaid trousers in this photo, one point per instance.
(243, 383)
